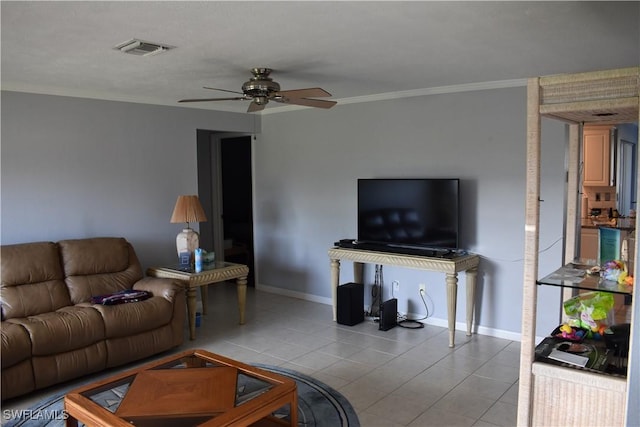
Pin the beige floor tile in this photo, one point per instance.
(315, 360)
(508, 358)
(359, 397)
(447, 378)
(373, 358)
(285, 351)
(373, 381)
(460, 362)
(482, 423)
(498, 371)
(464, 402)
(372, 420)
(511, 395)
(439, 418)
(396, 378)
(347, 370)
(485, 387)
(397, 408)
(340, 349)
(502, 414)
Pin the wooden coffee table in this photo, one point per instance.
(192, 388)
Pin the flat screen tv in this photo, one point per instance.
(423, 213)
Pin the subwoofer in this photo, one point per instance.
(350, 306)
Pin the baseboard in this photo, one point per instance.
(460, 326)
(294, 294)
(482, 330)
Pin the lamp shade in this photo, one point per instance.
(188, 209)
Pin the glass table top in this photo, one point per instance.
(205, 267)
(576, 276)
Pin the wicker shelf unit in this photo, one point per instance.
(555, 395)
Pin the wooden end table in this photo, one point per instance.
(215, 273)
(191, 388)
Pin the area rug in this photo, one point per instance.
(318, 406)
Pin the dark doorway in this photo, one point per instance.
(237, 201)
(226, 192)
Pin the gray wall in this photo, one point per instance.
(308, 162)
(74, 168)
(77, 168)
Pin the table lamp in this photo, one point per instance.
(188, 209)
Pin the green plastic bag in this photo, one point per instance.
(585, 310)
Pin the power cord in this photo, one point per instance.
(405, 322)
(426, 308)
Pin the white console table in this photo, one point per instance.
(449, 266)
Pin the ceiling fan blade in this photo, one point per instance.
(237, 98)
(318, 103)
(255, 107)
(223, 90)
(312, 92)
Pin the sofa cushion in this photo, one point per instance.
(98, 266)
(133, 347)
(132, 318)
(18, 379)
(16, 345)
(56, 368)
(32, 280)
(66, 329)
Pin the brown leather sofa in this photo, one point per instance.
(50, 330)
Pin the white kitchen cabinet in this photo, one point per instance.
(589, 243)
(597, 156)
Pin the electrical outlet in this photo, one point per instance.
(396, 286)
(422, 288)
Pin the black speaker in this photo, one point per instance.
(388, 315)
(350, 307)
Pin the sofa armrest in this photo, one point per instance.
(160, 287)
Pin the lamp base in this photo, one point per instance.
(187, 241)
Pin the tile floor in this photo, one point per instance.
(401, 377)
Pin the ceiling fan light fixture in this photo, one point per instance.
(141, 48)
(261, 100)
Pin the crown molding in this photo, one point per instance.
(467, 87)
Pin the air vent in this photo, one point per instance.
(142, 48)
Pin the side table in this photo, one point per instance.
(214, 273)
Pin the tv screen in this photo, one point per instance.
(409, 212)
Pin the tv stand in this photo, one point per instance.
(450, 265)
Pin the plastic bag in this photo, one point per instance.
(589, 309)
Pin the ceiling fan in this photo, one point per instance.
(260, 89)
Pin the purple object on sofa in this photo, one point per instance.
(51, 332)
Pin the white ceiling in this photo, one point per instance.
(355, 50)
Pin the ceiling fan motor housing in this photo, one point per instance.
(260, 85)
